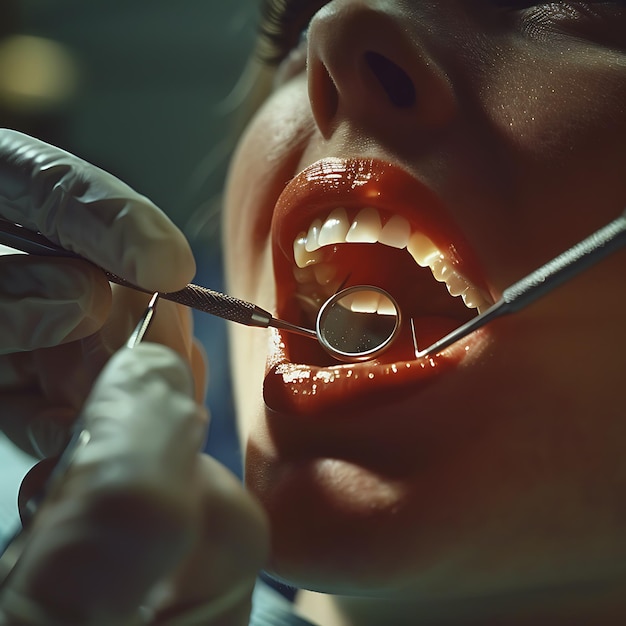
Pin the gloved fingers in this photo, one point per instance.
(47, 388)
(127, 308)
(38, 412)
(66, 373)
(124, 515)
(94, 561)
(216, 580)
(48, 301)
(43, 391)
(32, 424)
(142, 409)
(172, 326)
(89, 211)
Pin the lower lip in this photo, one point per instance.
(308, 390)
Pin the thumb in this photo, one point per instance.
(122, 517)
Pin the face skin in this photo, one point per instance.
(496, 469)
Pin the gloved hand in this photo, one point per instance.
(137, 503)
(60, 319)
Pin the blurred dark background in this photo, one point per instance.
(142, 87)
(145, 89)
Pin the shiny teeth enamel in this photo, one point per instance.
(316, 276)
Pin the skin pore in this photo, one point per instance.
(489, 481)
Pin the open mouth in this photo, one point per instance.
(371, 241)
(341, 223)
(374, 247)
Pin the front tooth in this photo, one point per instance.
(300, 254)
(365, 228)
(473, 299)
(312, 237)
(456, 284)
(396, 232)
(335, 228)
(363, 301)
(440, 269)
(423, 250)
(386, 306)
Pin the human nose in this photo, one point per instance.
(369, 62)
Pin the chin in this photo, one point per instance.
(341, 528)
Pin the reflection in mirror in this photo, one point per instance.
(358, 323)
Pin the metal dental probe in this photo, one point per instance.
(570, 263)
(141, 329)
(194, 296)
(345, 338)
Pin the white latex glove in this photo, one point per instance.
(137, 503)
(60, 321)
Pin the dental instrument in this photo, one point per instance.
(141, 329)
(542, 281)
(80, 436)
(354, 341)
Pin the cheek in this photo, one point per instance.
(563, 123)
(266, 159)
(556, 124)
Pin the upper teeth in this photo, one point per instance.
(367, 227)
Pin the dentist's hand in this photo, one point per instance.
(141, 517)
(60, 319)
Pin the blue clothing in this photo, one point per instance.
(270, 608)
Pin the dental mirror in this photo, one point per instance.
(355, 324)
(358, 323)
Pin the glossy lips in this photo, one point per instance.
(364, 222)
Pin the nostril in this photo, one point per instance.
(393, 79)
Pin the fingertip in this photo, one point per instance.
(167, 265)
(173, 327)
(142, 406)
(162, 259)
(149, 359)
